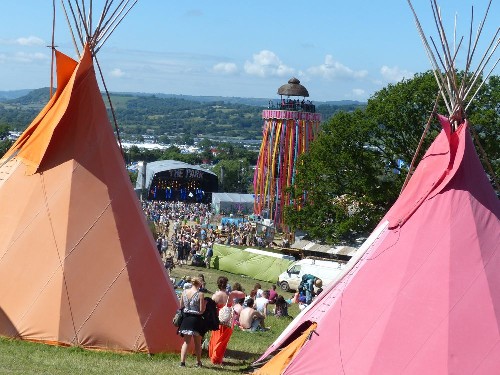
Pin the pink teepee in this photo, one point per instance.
(424, 298)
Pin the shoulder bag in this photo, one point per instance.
(226, 315)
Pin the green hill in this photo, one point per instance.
(171, 115)
(12, 94)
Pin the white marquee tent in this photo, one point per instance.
(231, 203)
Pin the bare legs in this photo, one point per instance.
(197, 347)
(184, 347)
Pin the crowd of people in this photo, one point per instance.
(293, 105)
(186, 232)
(248, 313)
(162, 212)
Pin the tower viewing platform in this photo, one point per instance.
(290, 125)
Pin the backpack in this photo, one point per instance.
(226, 315)
(303, 282)
(197, 261)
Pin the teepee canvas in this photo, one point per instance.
(423, 295)
(78, 264)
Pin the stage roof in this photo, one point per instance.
(166, 165)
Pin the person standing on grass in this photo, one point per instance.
(209, 255)
(193, 305)
(180, 251)
(220, 338)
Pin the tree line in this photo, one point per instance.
(356, 167)
(164, 117)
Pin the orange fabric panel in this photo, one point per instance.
(65, 68)
(26, 295)
(280, 361)
(74, 241)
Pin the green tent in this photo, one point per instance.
(257, 264)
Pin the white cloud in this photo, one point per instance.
(225, 68)
(117, 73)
(394, 74)
(24, 57)
(331, 69)
(358, 93)
(265, 64)
(30, 41)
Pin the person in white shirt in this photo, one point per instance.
(258, 290)
(262, 302)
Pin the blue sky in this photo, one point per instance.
(339, 50)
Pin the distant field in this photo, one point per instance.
(167, 115)
(118, 101)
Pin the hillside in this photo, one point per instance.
(171, 115)
(12, 94)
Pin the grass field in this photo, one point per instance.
(19, 357)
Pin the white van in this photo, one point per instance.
(326, 270)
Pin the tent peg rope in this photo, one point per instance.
(420, 143)
(459, 96)
(79, 17)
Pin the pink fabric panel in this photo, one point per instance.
(426, 298)
(430, 172)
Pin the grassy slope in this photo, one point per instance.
(18, 357)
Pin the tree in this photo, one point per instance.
(205, 146)
(234, 175)
(5, 142)
(485, 119)
(187, 140)
(353, 173)
(134, 154)
(4, 131)
(340, 187)
(398, 115)
(133, 176)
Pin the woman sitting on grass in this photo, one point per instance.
(281, 307)
(238, 306)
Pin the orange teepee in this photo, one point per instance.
(78, 263)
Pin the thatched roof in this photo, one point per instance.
(293, 88)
